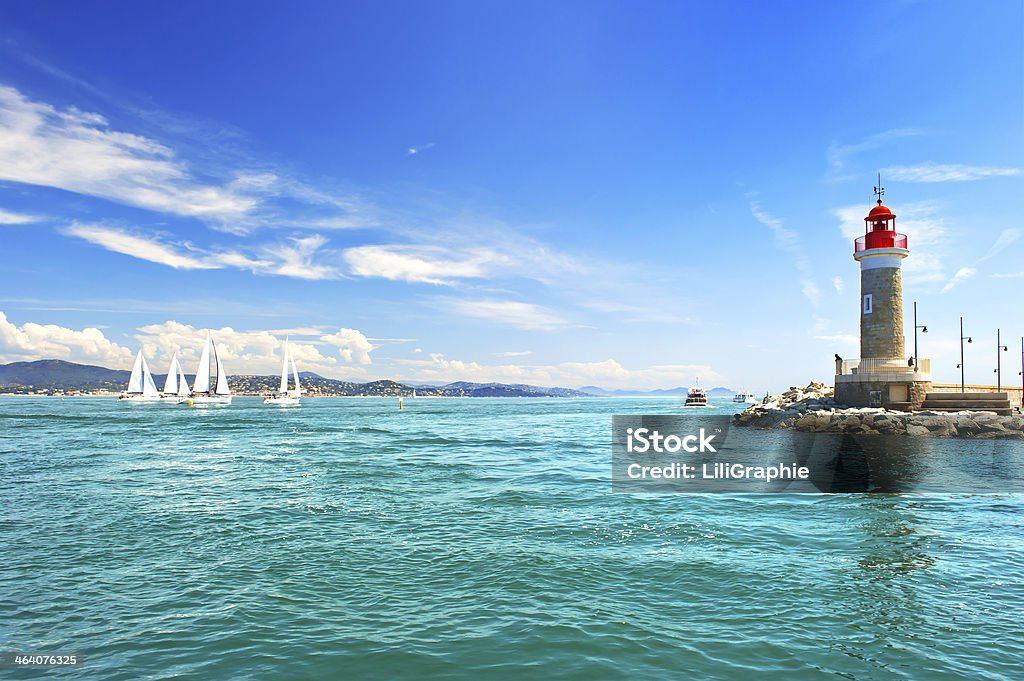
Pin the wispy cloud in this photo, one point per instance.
(78, 151)
(10, 218)
(946, 172)
(1006, 238)
(515, 353)
(294, 257)
(789, 241)
(926, 233)
(839, 155)
(412, 151)
(511, 313)
(422, 264)
(962, 275)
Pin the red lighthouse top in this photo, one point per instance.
(880, 228)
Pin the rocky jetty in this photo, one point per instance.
(813, 409)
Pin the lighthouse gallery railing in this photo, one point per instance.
(880, 239)
(881, 366)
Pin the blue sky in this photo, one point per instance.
(620, 194)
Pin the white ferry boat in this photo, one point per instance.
(696, 397)
(744, 397)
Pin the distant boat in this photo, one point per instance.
(284, 396)
(202, 393)
(696, 397)
(176, 384)
(744, 397)
(140, 384)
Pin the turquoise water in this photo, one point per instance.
(472, 538)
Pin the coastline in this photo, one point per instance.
(813, 409)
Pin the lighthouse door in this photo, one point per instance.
(898, 392)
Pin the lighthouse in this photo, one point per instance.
(884, 375)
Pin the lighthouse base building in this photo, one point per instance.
(884, 376)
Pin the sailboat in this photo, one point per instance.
(176, 384)
(140, 384)
(202, 392)
(284, 396)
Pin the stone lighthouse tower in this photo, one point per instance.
(883, 376)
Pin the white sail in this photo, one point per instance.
(182, 381)
(148, 386)
(202, 382)
(295, 375)
(135, 380)
(222, 378)
(284, 369)
(171, 382)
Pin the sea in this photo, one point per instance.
(470, 539)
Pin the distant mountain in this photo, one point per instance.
(58, 375)
(667, 392)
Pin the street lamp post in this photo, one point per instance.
(999, 366)
(960, 366)
(924, 329)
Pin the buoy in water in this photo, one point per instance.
(190, 403)
(399, 404)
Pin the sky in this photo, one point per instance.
(620, 194)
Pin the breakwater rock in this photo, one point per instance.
(813, 409)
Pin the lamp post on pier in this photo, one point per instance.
(960, 366)
(999, 367)
(924, 329)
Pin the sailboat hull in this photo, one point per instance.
(134, 399)
(206, 400)
(281, 400)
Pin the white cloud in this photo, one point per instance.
(297, 259)
(9, 218)
(352, 345)
(946, 172)
(294, 257)
(515, 353)
(258, 352)
(243, 352)
(962, 275)
(1006, 238)
(422, 264)
(77, 151)
(511, 313)
(32, 341)
(606, 374)
(838, 285)
(143, 248)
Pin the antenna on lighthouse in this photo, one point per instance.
(879, 189)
